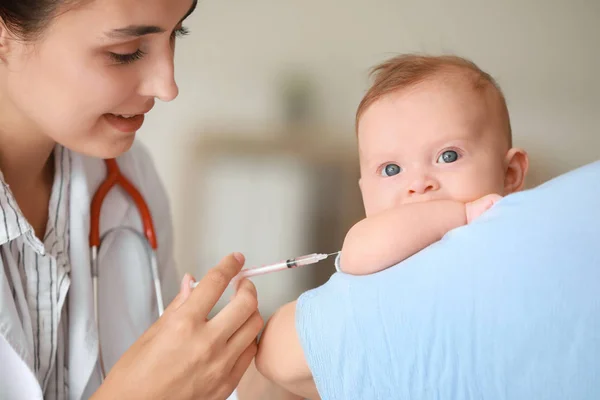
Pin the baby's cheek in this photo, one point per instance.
(375, 202)
(471, 189)
(372, 207)
(482, 189)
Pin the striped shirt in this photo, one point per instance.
(40, 287)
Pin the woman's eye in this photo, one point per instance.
(139, 54)
(180, 32)
(391, 170)
(449, 156)
(127, 58)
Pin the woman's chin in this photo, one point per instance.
(115, 149)
(106, 147)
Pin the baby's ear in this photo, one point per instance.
(516, 165)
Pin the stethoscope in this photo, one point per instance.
(148, 238)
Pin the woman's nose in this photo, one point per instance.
(168, 90)
(160, 81)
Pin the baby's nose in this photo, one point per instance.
(422, 186)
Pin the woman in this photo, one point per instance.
(76, 78)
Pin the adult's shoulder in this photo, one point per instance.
(505, 307)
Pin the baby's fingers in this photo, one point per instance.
(479, 206)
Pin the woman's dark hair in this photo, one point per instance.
(27, 18)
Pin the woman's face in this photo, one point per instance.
(87, 82)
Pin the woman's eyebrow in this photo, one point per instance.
(142, 30)
(134, 31)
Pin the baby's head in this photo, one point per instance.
(432, 128)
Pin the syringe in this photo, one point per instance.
(280, 266)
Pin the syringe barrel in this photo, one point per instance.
(309, 259)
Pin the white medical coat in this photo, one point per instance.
(126, 295)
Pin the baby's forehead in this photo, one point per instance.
(473, 89)
(465, 86)
(451, 103)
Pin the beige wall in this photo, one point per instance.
(544, 53)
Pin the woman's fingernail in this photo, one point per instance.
(184, 281)
(239, 257)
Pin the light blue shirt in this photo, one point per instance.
(505, 308)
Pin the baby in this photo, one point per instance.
(435, 152)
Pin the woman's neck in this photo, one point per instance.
(25, 152)
(27, 164)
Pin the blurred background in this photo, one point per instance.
(258, 152)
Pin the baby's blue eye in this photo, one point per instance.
(391, 170)
(449, 156)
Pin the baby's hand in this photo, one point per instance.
(475, 208)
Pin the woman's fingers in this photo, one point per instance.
(243, 304)
(184, 292)
(210, 289)
(243, 362)
(245, 336)
(185, 288)
(210, 362)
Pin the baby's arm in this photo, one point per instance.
(280, 356)
(385, 239)
(254, 386)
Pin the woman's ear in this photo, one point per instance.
(516, 165)
(5, 39)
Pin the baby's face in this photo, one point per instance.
(430, 142)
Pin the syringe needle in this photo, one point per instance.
(282, 265)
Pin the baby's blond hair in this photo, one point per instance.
(407, 70)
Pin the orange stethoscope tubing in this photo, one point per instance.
(115, 177)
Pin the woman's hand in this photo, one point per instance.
(184, 355)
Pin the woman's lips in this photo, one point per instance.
(125, 123)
